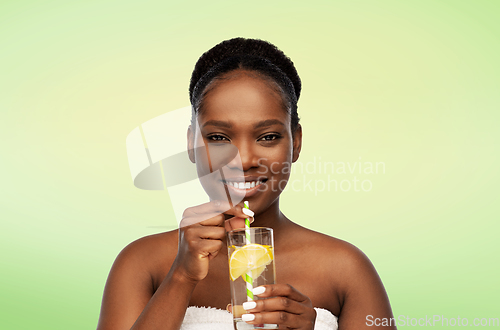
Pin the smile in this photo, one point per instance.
(246, 188)
(244, 185)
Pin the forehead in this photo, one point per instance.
(243, 97)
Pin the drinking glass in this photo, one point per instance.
(251, 264)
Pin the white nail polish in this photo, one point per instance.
(259, 290)
(248, 212)
(249, 305)
(247, 317)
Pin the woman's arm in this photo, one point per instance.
(163, 310)
(129, 302)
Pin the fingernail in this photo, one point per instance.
(252, 219)
(249, 305)
(248, 212)
(247, 317)
(259, 290)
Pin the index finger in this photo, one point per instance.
(283, 290)
(214, 206)
(207, 214)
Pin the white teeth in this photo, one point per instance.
(244, 185)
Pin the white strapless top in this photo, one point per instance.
(208, 318)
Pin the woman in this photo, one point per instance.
(244, 95)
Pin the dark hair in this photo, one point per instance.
(255, 55)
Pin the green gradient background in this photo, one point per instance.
(413, 84)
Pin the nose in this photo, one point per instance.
(246, 158)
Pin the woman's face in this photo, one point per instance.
(244, 116)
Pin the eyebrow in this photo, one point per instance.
(226, 124)
(218, 123)
(268, 122)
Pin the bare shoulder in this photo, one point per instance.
(345, 266)
(351, 277)
(151, 246)
(342, 255)
(131, 280)
(152, 254)
(326, 247)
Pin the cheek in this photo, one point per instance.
(201, 157)
(278, 162)
(284, 152)
(212, 157)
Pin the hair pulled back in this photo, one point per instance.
(258, 56)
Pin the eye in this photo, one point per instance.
(217, 138)
(270, 137)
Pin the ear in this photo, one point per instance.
(297, 143)
(190, 144)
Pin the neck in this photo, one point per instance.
(272, 218)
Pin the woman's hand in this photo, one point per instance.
(201, 235)
(288, 308)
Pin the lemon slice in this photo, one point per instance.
(250, 258)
